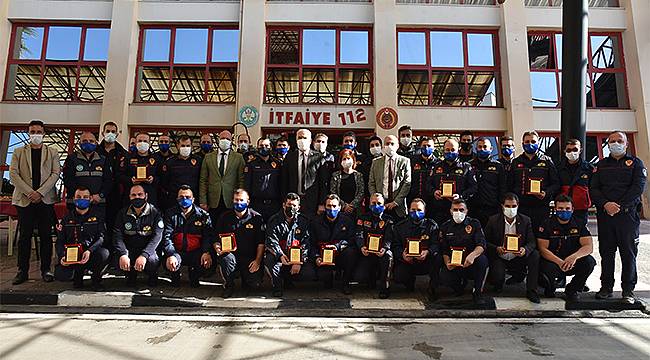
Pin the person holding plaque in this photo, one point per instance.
(333, 246)
(463, 245)
(239, 244)
(287, 244)
(565, 247)
(422, 165)
(373, 239)
(491, 179)
(79, 240)
(512, 245)
(451, 179)
(187, 238)
(416, 245)
(137, 233)
(141, 168)
(534, 179)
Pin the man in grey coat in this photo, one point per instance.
(390, 175)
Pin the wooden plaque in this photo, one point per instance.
(457, 255)
(295, 255)
(448, 188)
(73, 253)
(141, 173)
(228, 242)
(327, 254)
(511, 242)
(374, 243)
(534, 186)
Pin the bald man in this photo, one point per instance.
(390, 175)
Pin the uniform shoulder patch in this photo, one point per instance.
(152, 161)
(573, 231)
(128, 226)
(249, 226)
(251, 157)
(417, 166)
(381, 224)
(274, 164)
(193, 162)
(439, 170)
(98, 168)
(198, 223)
(161, 224)
(80, 167)
(359, 222)
(246, 168)
(541, 229)
(629, 163)
(468, 229)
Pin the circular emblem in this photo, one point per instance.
(80, 167)
(468, 229)
(127, 226)
(248, 115)
(386, 118)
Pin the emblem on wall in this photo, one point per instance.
(248, 115)
(387, 118)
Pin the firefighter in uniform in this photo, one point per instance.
(406, 143)
(83, 226)
(507, 152)
(378, 224)
(207, 146)
(491, 180)
(248, 228)
(575, 176)
(616, 187)
(142, 158)
(428, 260)
(183, 168)
(565, 247)
(451, 172)
(262, 180)
(422, 165)
(187, 238)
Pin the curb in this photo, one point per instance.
(80, 299)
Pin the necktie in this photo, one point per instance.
(390, 179)
(304, 172)
(222, 164)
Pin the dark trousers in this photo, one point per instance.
(372, 267)
(190, 259)
(581, 271)
(406, 273)
(345, 261)
(621, 232)
(96, 263)
(215, 213)
(150, 268)
(231, 264)
(528, 264)
(477, 272)
(282, 273)
(266, 208)
(40, 216)
(537, 215)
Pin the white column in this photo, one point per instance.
(385, 60)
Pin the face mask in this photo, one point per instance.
(564, 215)
(426, 151)
(416, 215)
(458, 216)
(224, 144)
(320, 147)
(164, 147)
(484, 154)
(405, 140)
(332, 213)
(349, 146)
(346, 164)
(510, 212)
(110, 137)
(303, 144)
(206, 147)
(451, 156)
(375, 151)
(243, 147)
(263, 152)
(88, 147)
(82, 204)
(185, 151)
(389, 150)
(572, 156)
(291, 211)
(184, 203)
(282, 150)
(133, 148)
(138, 202)
(616, 149)
(377, 209)
(466, 146)
(240, 206)
(531, 148)
(142, 146)
(506, 151)
(36, 139)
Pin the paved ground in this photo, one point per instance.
(37, 336)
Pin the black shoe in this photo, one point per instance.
(515, 280)
(21, 277)
(533, 296)
(228, 290)
(288, 284)
(97, 286)
(549, 292)
(47, 277)
(604, 293)
(431, 294)
(571, 296)
(328, 284)
(194, 283)
(384, 294)
(585, 289)
(277, 293)
(628, 297)
(78, 284)
(131, 278)
(347, 289)
(478, 299)
(410, 286)
(497, 289)
(153, 280)
(458, 291)
(176, 279)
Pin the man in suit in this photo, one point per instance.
(525, 258)
(222, 172)
(299, 175)
(34, 172)
(390, 175)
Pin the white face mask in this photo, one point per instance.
(390, 150)
(36, 139)
(185, 151)
(110, 137)
(347, 163)
(243, 146)
(375, 151)
(303, 144)
(510, 212)
(142, 146)
(616, 149)
(224, 144)
(405, 140)
(458, 216)
(572, 156)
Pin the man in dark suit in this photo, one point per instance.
(499, 229)
(299, 174)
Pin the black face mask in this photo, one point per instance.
(466, 146)
(138, 202)
(290, 211)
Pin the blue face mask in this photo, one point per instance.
(263, 151)
(164, 147)
(82, 204)
(88, 147)
(377, 209)
(483, 154)
(184, 203)
(282, 151)
(240, 206)
(506, 151)
(416, 215)
(531, 148)
(206, 147)
(349, 146)
(332, 213)
(133, 148)
(426, 151)
(564, 215)
(451, 156)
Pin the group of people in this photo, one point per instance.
(377, 218)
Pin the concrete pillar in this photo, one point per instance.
(252, 44)
(385, 61)
(636, 48)
(120, 77)
(513, 43)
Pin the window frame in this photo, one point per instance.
(43, 62)
(169, 64)
(551, 4)
(466, 68)
(336, 67)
